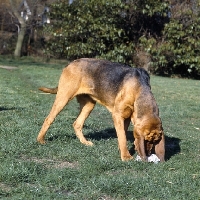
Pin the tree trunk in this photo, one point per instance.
(22, 31)
(20, 39)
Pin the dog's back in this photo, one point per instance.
(109, 76)
(102, 77)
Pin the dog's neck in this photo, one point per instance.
(145, 105)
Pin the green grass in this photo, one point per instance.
(66, 169)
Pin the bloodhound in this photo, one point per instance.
(125, 91)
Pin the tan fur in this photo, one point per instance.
(129, 100)
(49, 90)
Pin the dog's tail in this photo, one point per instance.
(49, 90)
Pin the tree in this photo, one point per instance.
(22, 29)
(27, 19)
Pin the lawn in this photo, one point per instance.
(65, 169)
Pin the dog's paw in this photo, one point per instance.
(127, 158)
(88, 143)
(41, 141)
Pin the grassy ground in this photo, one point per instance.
(65, 169)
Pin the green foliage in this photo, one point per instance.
(178, 49)
(151, 7)
(117, 30)
(107, 29)
(88, 30)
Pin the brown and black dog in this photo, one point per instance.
(123, 90)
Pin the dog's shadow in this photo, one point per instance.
(4, 108)
(172, 146)
(11, 108)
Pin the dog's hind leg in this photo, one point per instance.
(61, 100)
(66, 91)
(86, 106)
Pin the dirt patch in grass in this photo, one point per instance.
(57, 164)
(105, 197)
(4, 187)
(8, 67)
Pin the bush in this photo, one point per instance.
(91, 29)
(106, 29)
(178, 50)
(142, 32)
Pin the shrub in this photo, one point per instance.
(177, 51)
(106, 29)
(88, 30)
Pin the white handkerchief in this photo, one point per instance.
(152, 158)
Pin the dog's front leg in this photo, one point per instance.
(139, 147)
(121, 134)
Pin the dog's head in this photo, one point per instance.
(152, 132)
(152, 129)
